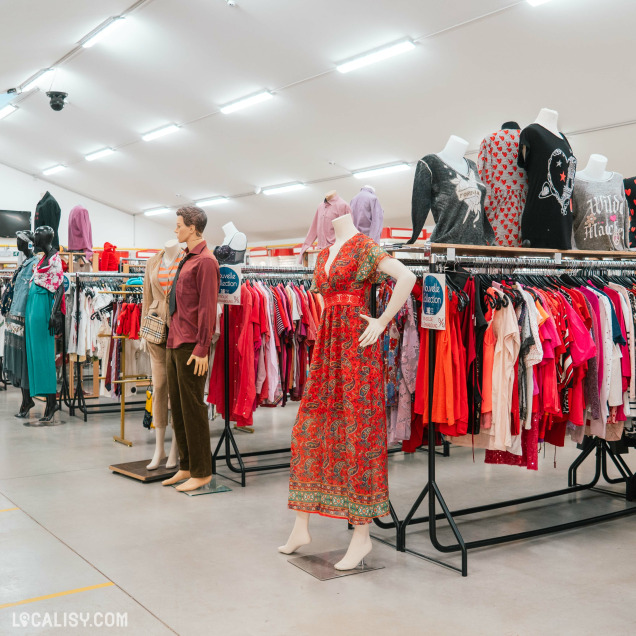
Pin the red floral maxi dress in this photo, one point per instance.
(339, 447)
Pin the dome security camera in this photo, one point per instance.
(57, 99)
(231, 3)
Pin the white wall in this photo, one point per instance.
(20, 191)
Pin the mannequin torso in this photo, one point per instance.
(453, 154)
(170, 252)
(595, 169)
(345, 229)
(235, 239)
(549, 119)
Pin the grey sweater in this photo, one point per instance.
(600, 215)
(456, 201)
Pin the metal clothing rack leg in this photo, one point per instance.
(227, 439)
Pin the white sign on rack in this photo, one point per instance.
(434, 302)
(230, 288)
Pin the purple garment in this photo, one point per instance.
(80, 233)
(321, 227)
(367, 213)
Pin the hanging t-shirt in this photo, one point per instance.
(630, 195)
(456, 201)
(600, 216)
(551, 165)
(506, 184)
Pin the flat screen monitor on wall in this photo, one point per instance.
(12, 221)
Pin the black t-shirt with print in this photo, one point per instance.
(551, 165)
(630, 195)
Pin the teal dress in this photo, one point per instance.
(40, 344)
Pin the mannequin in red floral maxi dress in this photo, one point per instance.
(339, 445)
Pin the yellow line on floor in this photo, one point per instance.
(9, 509)
(57, 594)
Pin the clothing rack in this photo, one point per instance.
(227, 438)
(599, 447)
(78, 400)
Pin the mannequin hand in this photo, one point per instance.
(200, 364)
(374, 330)
(143, 345)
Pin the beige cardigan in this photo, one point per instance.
(155, 298)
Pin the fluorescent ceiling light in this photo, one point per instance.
(156, 211)
(212, 201)
(536, 3)
(53, 170)
(7, 110)
(104, 29)
(246, 102)
(376, 56)
(37, 79)
(285, 188)
(374, 172)
(99, 154)
(160, 132)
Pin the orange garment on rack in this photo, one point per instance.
(488, 360)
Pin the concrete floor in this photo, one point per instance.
(208, 565)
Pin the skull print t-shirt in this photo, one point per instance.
(456, 200)
(550, 164)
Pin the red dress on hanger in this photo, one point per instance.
(339, 444)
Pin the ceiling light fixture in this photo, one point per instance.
(374, 172)
(284, 188)
(536, 3)
(376, 56)
(246, 102)
(102, 30)
(99, 154)
(156, 211)
(7, 110)
(37, 79)
(211, 201)
(49, 171)
(160, 132)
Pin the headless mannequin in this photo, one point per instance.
(595, 169)
(235, 239)
(549, 119)
(453, 154)
(171, 251)
(344, 228)
(27, 401)
(330, 195)
(43, 241)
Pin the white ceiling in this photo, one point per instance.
(177, 62)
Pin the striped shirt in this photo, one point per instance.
(166, 274)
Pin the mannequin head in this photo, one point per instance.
(43, 238)
(191, 222)
(25, 242)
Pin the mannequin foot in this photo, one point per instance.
(24, 409)
(358, 549)
(49, 413)
(297, 539)
(156, 460)
(194, 483)
(180, 475)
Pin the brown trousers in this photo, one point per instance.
(189, 412)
